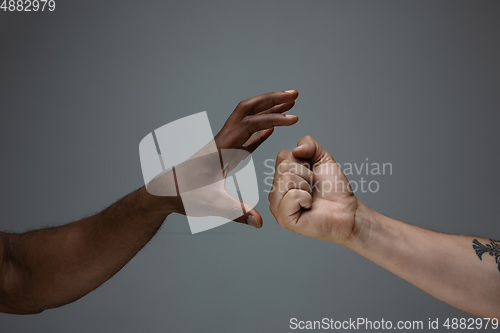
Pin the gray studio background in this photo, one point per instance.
(412, 83)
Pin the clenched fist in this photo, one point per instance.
(311, 195)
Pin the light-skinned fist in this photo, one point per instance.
(311, 195)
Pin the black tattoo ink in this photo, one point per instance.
(493, 249)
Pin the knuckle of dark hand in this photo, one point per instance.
(282, 168)
(249, 125)
(243, 104)
(245, 121)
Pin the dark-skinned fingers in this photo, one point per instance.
(226, 206)
(267, 101)
(280, 108)
(257, 139)
(251, 217)
(238, 135)
(259, 103)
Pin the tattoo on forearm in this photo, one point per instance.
(493, 249)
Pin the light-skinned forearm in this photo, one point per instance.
(445, 266)
(51, 267)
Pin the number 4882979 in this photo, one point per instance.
(28, 5)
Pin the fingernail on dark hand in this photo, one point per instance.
(300, 147)
(289, 91)
(251, 221)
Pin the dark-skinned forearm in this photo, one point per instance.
(51, 267)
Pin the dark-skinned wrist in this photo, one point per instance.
(159, 205)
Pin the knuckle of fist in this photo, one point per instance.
(286, 176)
(308, 137)
(271, 209)
(289, 181)
(272, 191)
(294, 194)
(283, 154)
(282, 167)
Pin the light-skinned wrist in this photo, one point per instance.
(365, 222)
